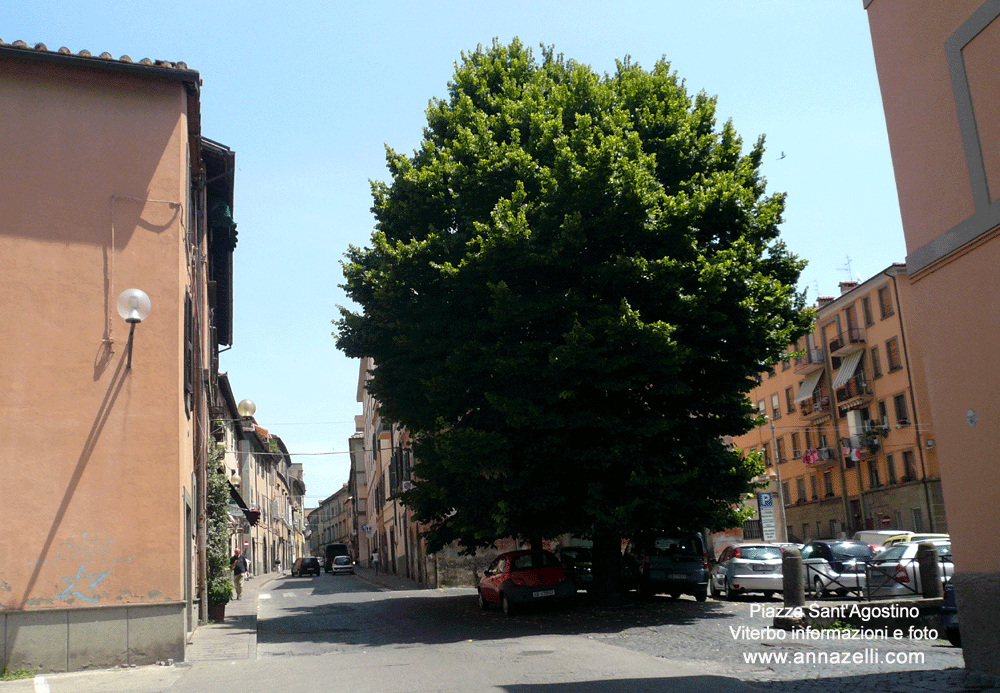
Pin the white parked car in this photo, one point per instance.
(896, 573)
(747, 568)
(836, 565)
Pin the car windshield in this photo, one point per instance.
(759, 553)
(892, 554)
(342, 560)
(578, 555)
(535, 560)
(851, 550)
(675, 546)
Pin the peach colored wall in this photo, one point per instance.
(958, 338)
(954, 322)
(92, 453)
(931, 198)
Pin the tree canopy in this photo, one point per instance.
(571, 286)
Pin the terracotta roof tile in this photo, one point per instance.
(42, 48)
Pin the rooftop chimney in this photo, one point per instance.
(823, 300)
(847, 286)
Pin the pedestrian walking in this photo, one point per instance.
(239, 565)
(375, 561)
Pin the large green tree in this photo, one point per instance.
(571, 286)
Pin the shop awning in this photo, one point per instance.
(847, 368)
(252, 516)
(807, 386)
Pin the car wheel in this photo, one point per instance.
(731, 594)
(483, 604)
(675, 595)
(701, 596)
(710, 590)
(768, 594)
(506, 605)
(818, 588)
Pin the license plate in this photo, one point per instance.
(545, 593)
(677, 576)
(762, 568)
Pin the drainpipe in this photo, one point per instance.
(913, 402)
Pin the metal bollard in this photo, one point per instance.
(930, 571)
(793, 578)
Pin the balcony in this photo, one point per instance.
(811, 360)
(816, 406)
(856, 392)
(847, 342)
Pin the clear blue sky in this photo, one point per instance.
(308, 93)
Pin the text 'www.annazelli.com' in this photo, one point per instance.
(869, 655)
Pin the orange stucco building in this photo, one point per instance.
(937, 68)
(108, 185)
(849, 443)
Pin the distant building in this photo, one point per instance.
(853, 441)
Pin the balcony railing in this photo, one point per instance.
(857, 386)
(848, 341)
(817, 405)
(811, 360)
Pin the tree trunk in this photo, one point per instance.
(607, 568)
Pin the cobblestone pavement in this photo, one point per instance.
(735, 635)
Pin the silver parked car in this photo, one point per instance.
(836, 565)
(896, 573)
(747, 568)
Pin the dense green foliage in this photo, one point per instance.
(570, 288)
(220, 582)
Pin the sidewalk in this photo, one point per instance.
(236, 637)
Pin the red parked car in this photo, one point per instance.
(516, 578)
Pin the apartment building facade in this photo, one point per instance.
(849, 442)
(388, 464)
(110, 186)
(936, 65)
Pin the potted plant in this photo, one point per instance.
(220, 581)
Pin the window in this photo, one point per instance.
(890, 464)
(876, 363)
(780, 451)
(909, 465)
(796, 450)
(885, 302)
(775, 406)
(766, 450)
(866, 308)
(815, 491)
(902, 411)
(828, 483)
(873, 480)
(786, 363)
(883, 413)
(805, 530)
(761, 407)
(800, 488)
(790, 400)
(918, 519)
(809, 443)
(833, 529)
(784, 494)
(892, 354)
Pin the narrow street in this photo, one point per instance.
(348, 633)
